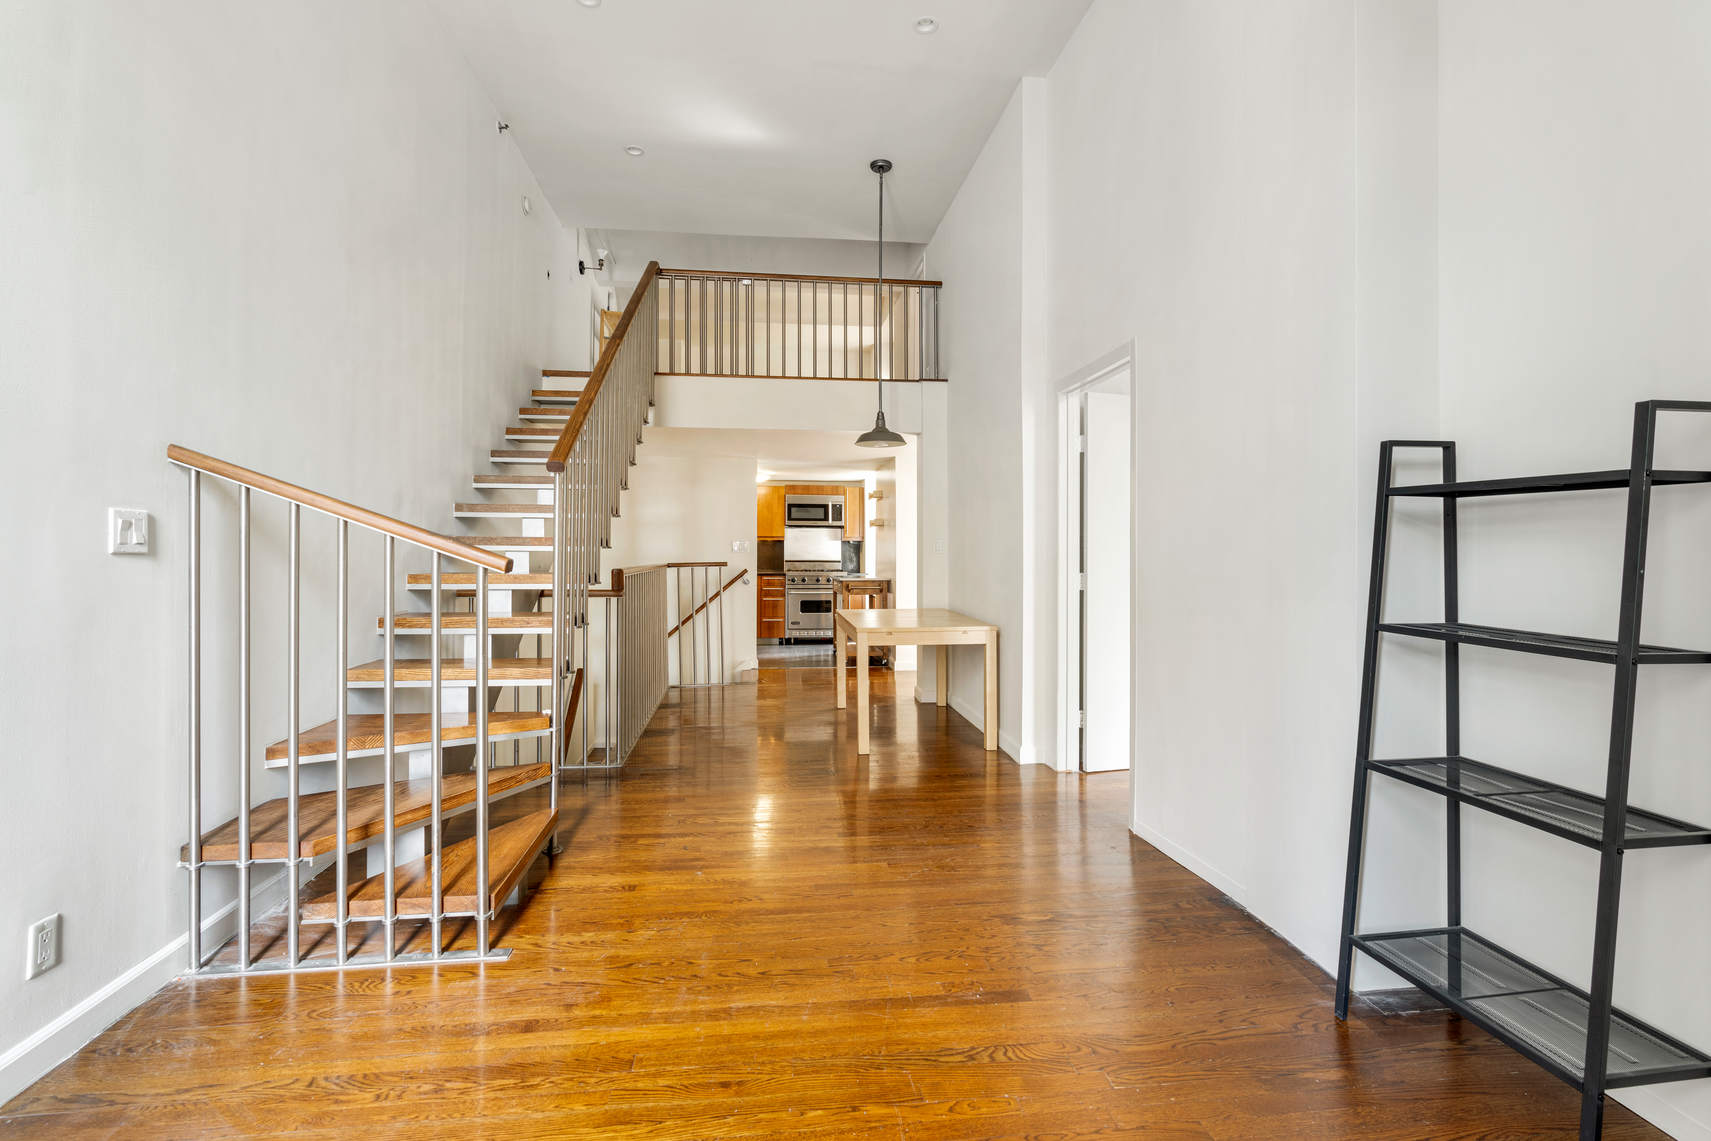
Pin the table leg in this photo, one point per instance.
(838, 641)
(992, 692)
(861, 694)
(943, 685)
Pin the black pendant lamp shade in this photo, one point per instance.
(880, 436)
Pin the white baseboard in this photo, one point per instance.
(1008, 744)
(29, 1060)
(1224, 882)
(1653, 1104)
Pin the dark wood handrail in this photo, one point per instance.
(338, 508)
(786, 376)
(799, 277)
(690, 617)
(570, 710)
(616, 590)
(591, 390)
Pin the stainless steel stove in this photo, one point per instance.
(808, 596)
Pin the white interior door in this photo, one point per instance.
(1107, 553)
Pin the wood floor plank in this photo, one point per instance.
(754, 933)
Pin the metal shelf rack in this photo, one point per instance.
(1576, 1034)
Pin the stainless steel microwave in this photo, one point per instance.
(813, 511)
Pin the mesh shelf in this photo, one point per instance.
(1530, 1009)
(1562, 811)
(1534, 642)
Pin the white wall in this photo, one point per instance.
(633, 249)
(284, 234)
(682, 509)
(1206, 167)
(1575, 254)
(980, 246)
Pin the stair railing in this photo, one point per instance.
(243, 843)
(634, 668)
(732, 323)
(590, 465)
(699, 604)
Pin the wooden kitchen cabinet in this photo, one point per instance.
(855, 512)
(769, 613)
(769, 512)
(769, 507)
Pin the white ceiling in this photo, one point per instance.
(758, 116)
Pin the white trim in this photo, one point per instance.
(1069, 388)
(1218, 879)
(31, 1059)
(1008, 743)
(1651, 1103)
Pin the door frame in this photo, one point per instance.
(1070, 390)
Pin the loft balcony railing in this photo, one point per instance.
(726, 323)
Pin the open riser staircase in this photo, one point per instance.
(408, 814)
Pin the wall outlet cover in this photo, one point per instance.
(127, 531)
(42, 950)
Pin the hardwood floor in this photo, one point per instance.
(754, 934)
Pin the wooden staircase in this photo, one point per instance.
(425, 798)
(395, 827)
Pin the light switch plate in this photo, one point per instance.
(127, 531)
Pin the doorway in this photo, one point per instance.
(1096, 560)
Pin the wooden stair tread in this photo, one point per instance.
(454, 669)
(534, 431)
(509, 480)
(465, 622)
(511, 848)
(584, 373)
(504, 509)
(368, 731)
(508, 542)
(463, 578)
(545, 411)
(317, 814)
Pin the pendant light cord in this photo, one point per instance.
(878, 293)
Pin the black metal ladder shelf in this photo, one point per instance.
(1576, 1034)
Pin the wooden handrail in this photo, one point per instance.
(591, 390)
(786, 376)
(690, 617)
(798, 277)
(674, 566)
(339, 509)
(616, 590)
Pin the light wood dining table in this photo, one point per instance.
(941, 628)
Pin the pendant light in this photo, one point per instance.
(880, 436)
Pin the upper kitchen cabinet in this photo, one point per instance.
(769, 512)
(855, 511)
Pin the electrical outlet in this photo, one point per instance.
(42, 954)
(127, 531)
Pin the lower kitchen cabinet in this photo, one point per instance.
(769, 613)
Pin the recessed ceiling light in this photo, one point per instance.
(589, 3)
(634, 152)
(926, 25)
